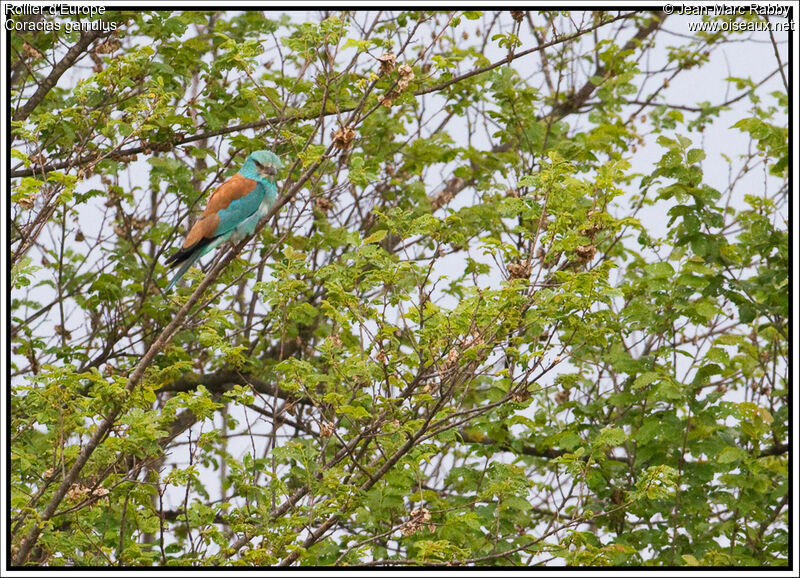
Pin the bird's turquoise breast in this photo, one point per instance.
(270, 194)
(240, 209)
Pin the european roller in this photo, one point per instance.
(233, 211)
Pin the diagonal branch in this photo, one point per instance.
(513, 56)
(26, 172)
(59, 69)
(583, 94)
(456, 184)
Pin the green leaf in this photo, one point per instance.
(731, 454)
(645, 379)
(375, 237)
(690, 560)
(353, 411)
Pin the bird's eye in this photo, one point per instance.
(258, 163)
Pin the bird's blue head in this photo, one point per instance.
(261, 166)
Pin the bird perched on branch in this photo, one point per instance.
(233, 211)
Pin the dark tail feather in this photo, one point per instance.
(185, 253)
(184, 268)
(186, 257)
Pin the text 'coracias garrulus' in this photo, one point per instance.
(233, 211)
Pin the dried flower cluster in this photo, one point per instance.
(27, 202)
(474, 340)
(521, 270)
(562, 396)
(79, 492)
(406, 75)
(326, 429)
(388, 61)
(109, 45)
(343, 137)
(323, 204)
(419, 517)
(585, 253)
(30, 51)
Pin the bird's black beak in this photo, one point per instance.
(269, 170)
